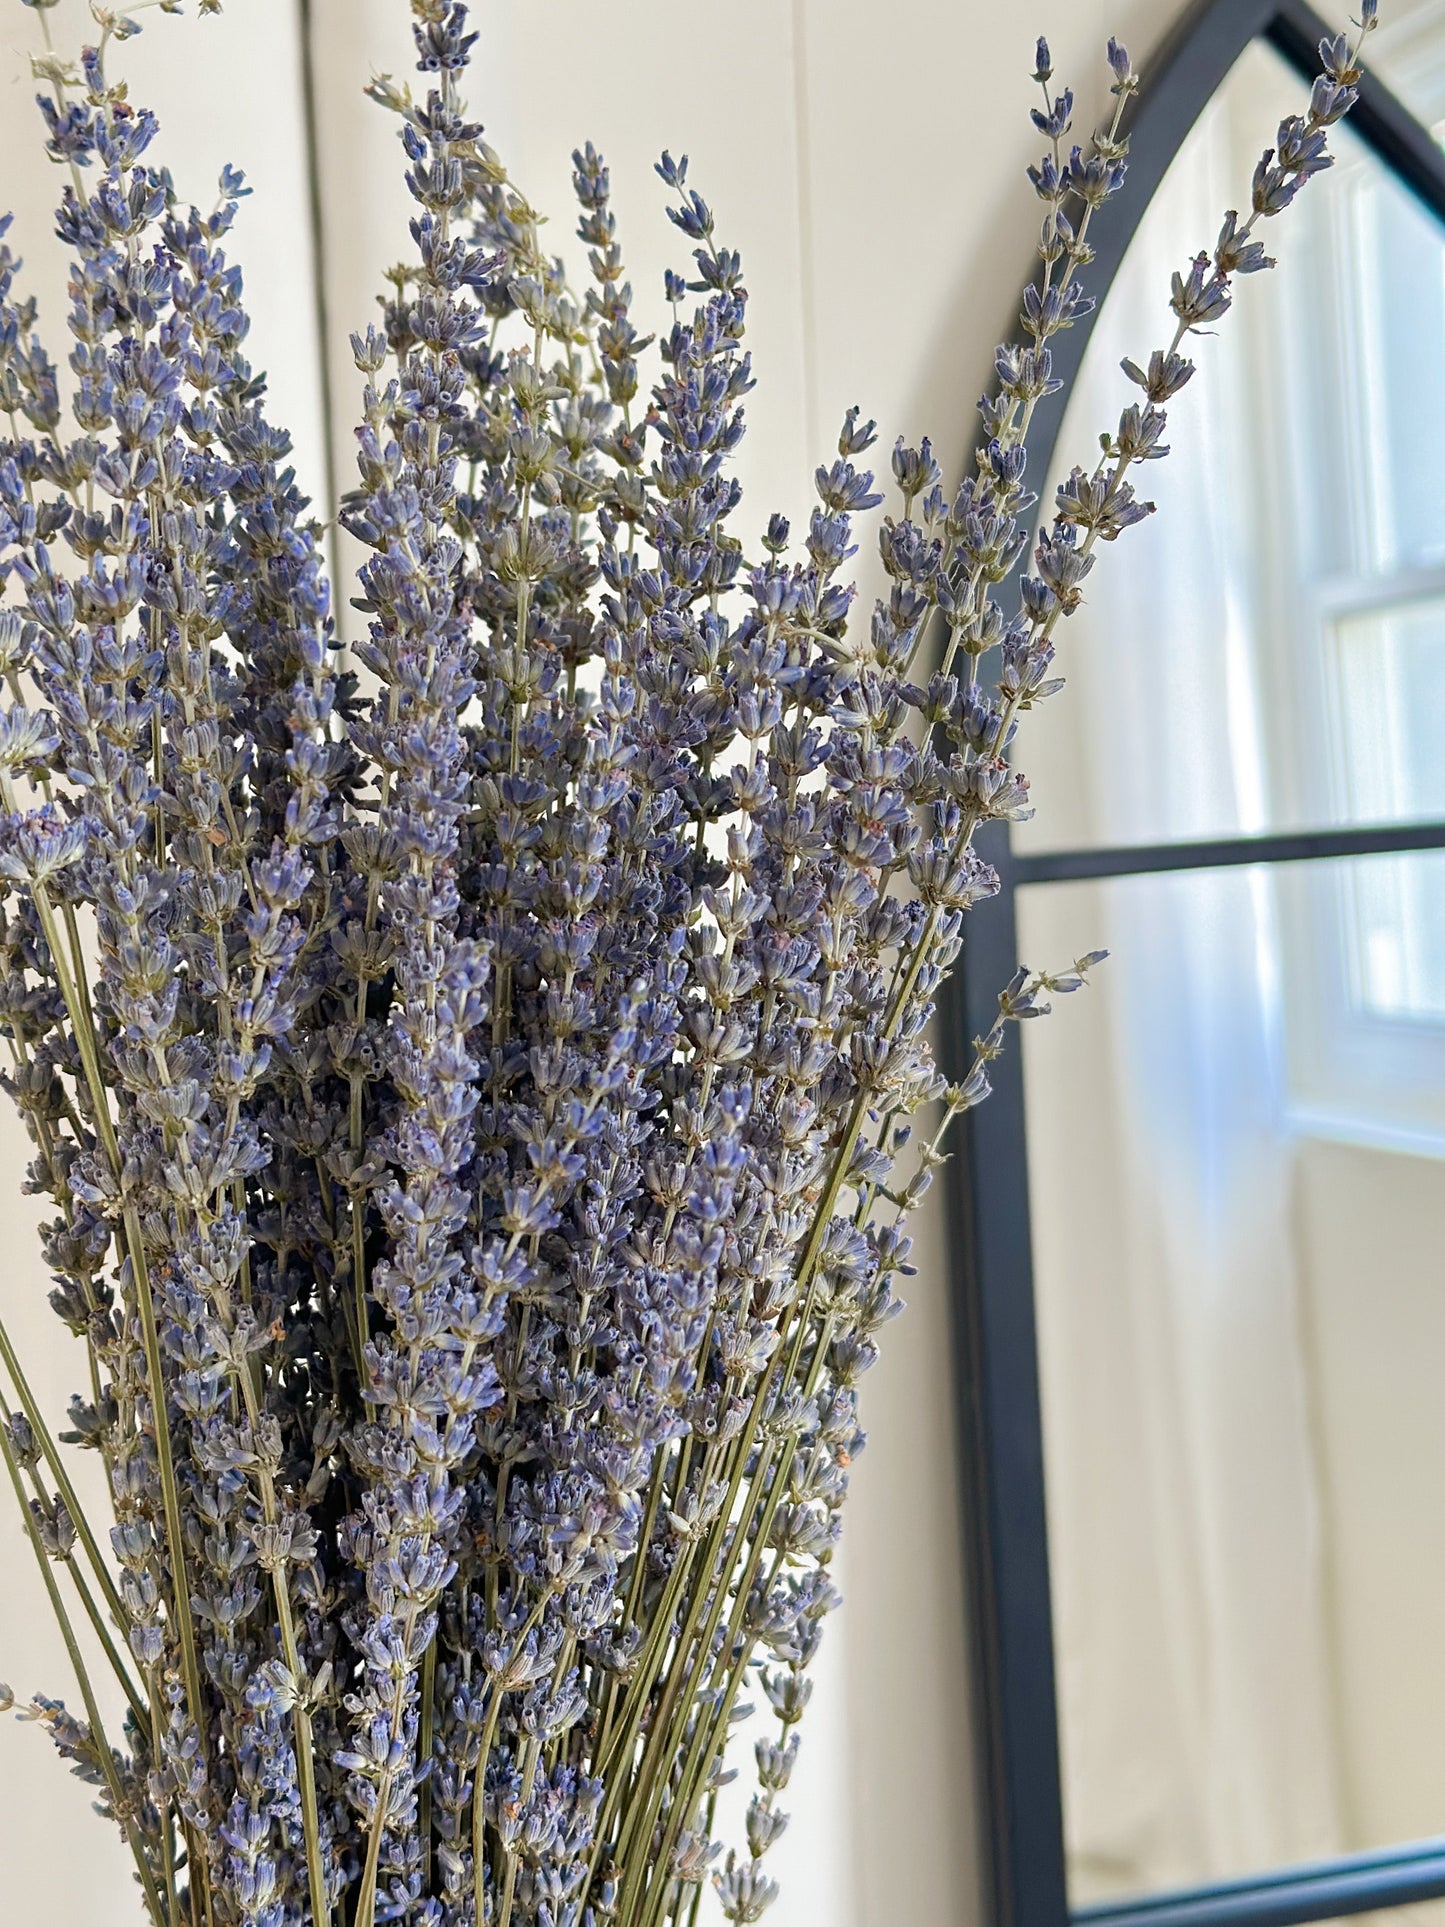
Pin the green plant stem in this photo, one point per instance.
(118, 1798)
(677, 1694)
(102, 1632)
(300, 1712)
(649, 1671)
(51, 1453)
(135, 1245)
(165, 1467)
(622, 1737)
(305, 1766)
(710, 1734)
(693, 1906)
(727, 1587)
(479, 1812)
(509, 1882)
(484, 1750)
(168, 1843)
(425, 1726)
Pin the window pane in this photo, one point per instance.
(1407, 51)
(1395, 919)
(1242, 1340)
(1301, 508)
(1389, 673)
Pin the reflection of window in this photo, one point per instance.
(1388, 665)
(1376, 343)
(1354, 591)
(1369, 547)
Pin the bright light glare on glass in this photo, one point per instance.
(1390, 678)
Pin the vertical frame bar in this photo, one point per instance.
(1001, 1440)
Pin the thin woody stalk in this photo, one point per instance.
(104, 1758)
(136, 1252)
(58, 1472)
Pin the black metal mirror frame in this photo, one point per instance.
(1001, 1439)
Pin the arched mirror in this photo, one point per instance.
(1200, 1228)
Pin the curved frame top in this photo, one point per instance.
(1001, 1442)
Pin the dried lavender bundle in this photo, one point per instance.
(475, 1087)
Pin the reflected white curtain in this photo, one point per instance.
(1185, 1525)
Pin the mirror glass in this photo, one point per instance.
(1272, 650)
(1242, 1344)
(1237, 1134)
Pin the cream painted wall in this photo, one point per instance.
(869, 163)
